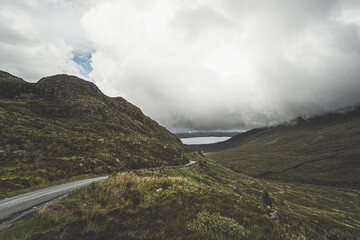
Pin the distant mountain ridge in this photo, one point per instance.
(45, 138)
(319, 150)
(238, 139)
(63, 126)
(206, 134)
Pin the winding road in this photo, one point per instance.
(17, 207)
(14, 208)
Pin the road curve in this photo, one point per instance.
(191, 163)
(20, 203)
(14, 208)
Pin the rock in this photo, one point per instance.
(274, 215)
(159, 189)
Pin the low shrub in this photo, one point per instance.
(214, 226)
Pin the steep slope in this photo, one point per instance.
(195, 203)
(321, 150)
(63, 126)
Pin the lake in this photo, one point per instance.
(203, 140)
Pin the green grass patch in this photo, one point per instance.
(173, 203)
(325, 153)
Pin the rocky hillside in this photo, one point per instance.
(63, 126)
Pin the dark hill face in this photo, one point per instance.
(7, 77)
(63, 126)
(14, 87)
(320, 150)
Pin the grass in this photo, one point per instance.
(325, 153)
(160, 204)
(76, 133)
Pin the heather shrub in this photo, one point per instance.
(215, 226)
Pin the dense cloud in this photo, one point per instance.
(39, 38)
(196, 64)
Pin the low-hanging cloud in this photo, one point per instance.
(222, 64)
(227, 64)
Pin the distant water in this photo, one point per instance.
(203, 140)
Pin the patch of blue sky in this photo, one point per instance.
(84, 60)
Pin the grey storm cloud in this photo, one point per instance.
(196, 64)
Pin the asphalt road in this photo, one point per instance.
(191, 163)
(15, 208)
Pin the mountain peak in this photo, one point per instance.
(58, 86)
(68, 86)
(7, 77)
(12, 86)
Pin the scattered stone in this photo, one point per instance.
(235, 189)
(159, 189)
(274, 214)
(80, 164)
(117, 160)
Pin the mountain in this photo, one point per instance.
(64, 127)
(206, 134)
(320, 150)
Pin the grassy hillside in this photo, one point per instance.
(322, 150)
(195, 203)
(63, 127)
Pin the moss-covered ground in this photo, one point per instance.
(199, 202)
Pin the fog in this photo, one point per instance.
(195, 64)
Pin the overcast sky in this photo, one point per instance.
(194, 64)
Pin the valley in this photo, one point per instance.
(292, 181)
(164, 204)
(179, 120)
